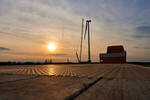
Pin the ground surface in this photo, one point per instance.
(56, 82)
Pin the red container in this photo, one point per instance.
(115, 54)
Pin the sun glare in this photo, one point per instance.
(52, 47)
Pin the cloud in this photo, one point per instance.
(41, 21)
(142, 32)
(24, 35)
(58, 54)
(32, 53)
(143, 29)
(38, 21)
(40, 54)
(4, 49)
(147, 48)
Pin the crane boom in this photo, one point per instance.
(81, 39)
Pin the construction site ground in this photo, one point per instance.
(58, 82)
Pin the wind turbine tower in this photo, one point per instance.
(88, 28)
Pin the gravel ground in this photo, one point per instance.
(56, 82)
(126, 82)
(41, 88)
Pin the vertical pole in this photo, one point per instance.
(81, 39)
(89, 55)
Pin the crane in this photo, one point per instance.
(81, 39)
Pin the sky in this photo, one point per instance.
(28, 26)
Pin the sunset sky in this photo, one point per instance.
(28, 26)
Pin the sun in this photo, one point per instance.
(52, 47)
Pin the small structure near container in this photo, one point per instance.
(115, 54)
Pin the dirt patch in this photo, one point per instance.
(41, 88)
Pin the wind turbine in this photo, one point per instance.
(88, 28)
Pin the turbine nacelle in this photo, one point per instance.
(87, 26)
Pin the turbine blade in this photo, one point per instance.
(85, 30)
(77, 57)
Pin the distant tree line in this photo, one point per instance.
(42, 63)
(49, 61)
